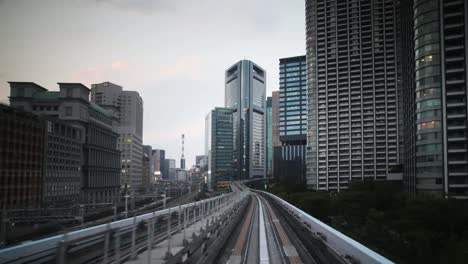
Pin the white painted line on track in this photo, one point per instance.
(264, 256)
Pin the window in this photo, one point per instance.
(68, 110)
(69, 92)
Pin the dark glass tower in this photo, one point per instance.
(221, 146)
(245, 93)
(269, 136)
(352, 91)
(293, 118)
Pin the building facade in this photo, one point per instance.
(127, 109)
(352, 91)
(293, 119)
(269, 137)
(22, 159)
(221, 163)
(276, 143)
(436, 150)
(245, 88)
(159, 156)
(64, 160)
(100, 169)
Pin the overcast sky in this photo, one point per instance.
(173, 52)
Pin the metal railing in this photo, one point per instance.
(119, 240)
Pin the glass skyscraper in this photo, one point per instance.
(269, 136)
(352, 91)
(220, 150)
(435, 45)
(245, 89)
(290, 157)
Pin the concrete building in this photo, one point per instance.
(101, 163)
(434, 50)
(22, 158)
(147, 167)
(276, 143)
(269, 138)
(245, 88)
(290, 157)
(352, 91)
(221, 148)
(64, 160)
(127, 110)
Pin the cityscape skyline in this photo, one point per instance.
(159, 70)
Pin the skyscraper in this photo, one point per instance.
(293, 119)
(269, 137)
(352, 91)
(245, 89)
(436, 98)
(127, 110)
(220, 164)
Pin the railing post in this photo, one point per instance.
(62, 251)
(178, 219)
(149, 237)
(117, 246)
(133, 255)
(106, 244)
(169, 253)
(184, 241)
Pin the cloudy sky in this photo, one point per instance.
(173, 52)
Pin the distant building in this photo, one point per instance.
(159, 170)
(181, 175)
(269, 137)
(147, 165)
(275, 140)
(127, 110)
(221, 158)
(64, 160)
(22, 159)
(101, 164)
(245, 88)
(293, 119)
(201, 161)
(170, 165)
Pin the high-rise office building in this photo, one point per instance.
(100, 169)
(127, 110)
(435, 48)
(245, 88)
(269, 137)
(221, 162)
(352, 91)
(147, 165)
(22, 159)
(276, 144)
(290, 157)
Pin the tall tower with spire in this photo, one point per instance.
(182, 158)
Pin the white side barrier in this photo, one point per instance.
(343, 245)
